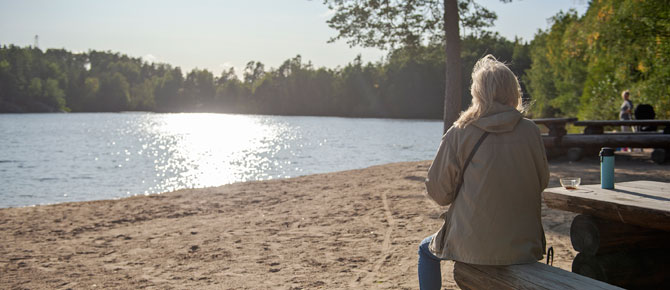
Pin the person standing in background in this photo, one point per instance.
(626, 113)
(626, 110)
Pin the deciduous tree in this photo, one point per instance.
(390, 23)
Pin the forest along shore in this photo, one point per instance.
(352, 229)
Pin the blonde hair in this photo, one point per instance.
(624, 93)
(492, 81)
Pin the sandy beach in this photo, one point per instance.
(355, 229)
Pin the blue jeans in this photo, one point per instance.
(430, 274)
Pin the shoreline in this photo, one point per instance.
(348, 229)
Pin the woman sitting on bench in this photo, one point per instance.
(491, 167)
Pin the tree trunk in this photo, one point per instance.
(452, 92)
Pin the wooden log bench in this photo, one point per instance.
(558, 142)
(556, 126)
(525, 276)
(552, 140)
(596, 236)
(598, 126)
(641, 269)
(594, 137)
(626, 255)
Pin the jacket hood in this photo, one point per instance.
(500, 118)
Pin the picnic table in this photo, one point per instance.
(598, 126)
(622, 234)
(594, 138)
(558, 142)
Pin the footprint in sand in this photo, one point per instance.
(415, 178)
(386, 253)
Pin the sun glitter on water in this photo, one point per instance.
(210, 149)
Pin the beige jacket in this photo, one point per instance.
(495, 218)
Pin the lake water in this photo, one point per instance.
(51, 158)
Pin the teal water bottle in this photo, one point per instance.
(607, 168)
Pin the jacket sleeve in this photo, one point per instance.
(541, 162)
(443, 173)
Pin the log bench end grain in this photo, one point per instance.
(594, 236)
(524, 276)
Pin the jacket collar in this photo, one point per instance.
(499, 118)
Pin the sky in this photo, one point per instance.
(217, 35)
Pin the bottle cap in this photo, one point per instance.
(607, 151)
